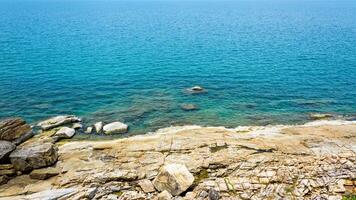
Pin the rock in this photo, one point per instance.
(115, 128)
(318, 116)
(27, 158)
(213, 194)
(77, 126)
(89, 130)
(175, 178)
(5, 149)
(189, 107)
(165, 195)
(3, 180)
(197, 88)
(58, 121)
(146, 186)
(15, 130)
(7, 169)
(44, 173)
(51, 194)
(98, 127)
(65, 133)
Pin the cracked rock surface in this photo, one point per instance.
(312, 161)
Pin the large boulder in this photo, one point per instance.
(115, 128)
(98, 127)
(5, 149)
(174, 178)
(58, 121)
(33, 156)
(15, 130)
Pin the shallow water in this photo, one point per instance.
(262, 62)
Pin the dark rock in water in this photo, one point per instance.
(58, 121)
(15, 130)
(320, 116)
(213, 194)
(189, 107)
(44, 173)
(33, 156)
(5, 149)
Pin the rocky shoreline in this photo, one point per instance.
(312, 161)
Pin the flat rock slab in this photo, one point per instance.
(26, 158)
(58, 121)
(44, 173)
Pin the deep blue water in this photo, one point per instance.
(261, 61)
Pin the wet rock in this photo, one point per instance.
(27, 158)
(165, 195)
(197, 88)
(58, 121)
(115, 128)
(77, 126)
(146, 186)
(98, 127)
(189, 107)
(44, 173)
(89, 130)
(5, 149)
(15, 130)
(175, 178)
(64, 133)
(319, 116)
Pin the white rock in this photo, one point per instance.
(89, 130)
(115, 128)
(175, 178)
(65, 132)
(58, 121)
(98, 127)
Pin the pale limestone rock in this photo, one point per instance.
(98, 127)
(44, 173)
(146, 186)
(164, 195)
(77, 126)
(175, 178)
(58, 121)
(115, 128)
(65, 133)
(89, 130)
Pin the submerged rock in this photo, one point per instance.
(98, 127)
(5, 149)
(65, 133)
(320, 116)
(115, 128)
(175, 178)
(189, 107)
(58, 121)
(15, 130)
(27, 158)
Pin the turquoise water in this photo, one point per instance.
(261, 61)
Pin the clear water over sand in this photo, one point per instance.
(262, 62)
